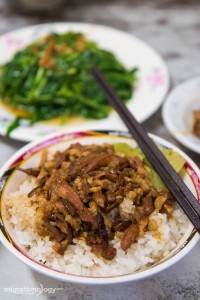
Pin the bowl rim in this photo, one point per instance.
(98, 280)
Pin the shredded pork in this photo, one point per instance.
(80, 191)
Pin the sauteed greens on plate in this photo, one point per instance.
(52, 78)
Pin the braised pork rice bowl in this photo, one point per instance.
(93, 209)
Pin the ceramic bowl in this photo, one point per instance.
(177, 112)
(29, 156)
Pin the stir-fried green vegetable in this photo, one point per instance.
(52, 77)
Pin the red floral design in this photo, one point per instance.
(156, 79)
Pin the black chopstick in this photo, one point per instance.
(180, 191)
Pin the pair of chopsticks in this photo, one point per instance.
(172, 180)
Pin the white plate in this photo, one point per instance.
(178, 110)
(153, 75)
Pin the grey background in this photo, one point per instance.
(172, 28)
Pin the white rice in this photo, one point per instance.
(78, 259)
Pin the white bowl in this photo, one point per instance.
(177, 112)
(31, 153)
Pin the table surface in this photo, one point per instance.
(172, 28)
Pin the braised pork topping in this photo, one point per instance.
(80, 191)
